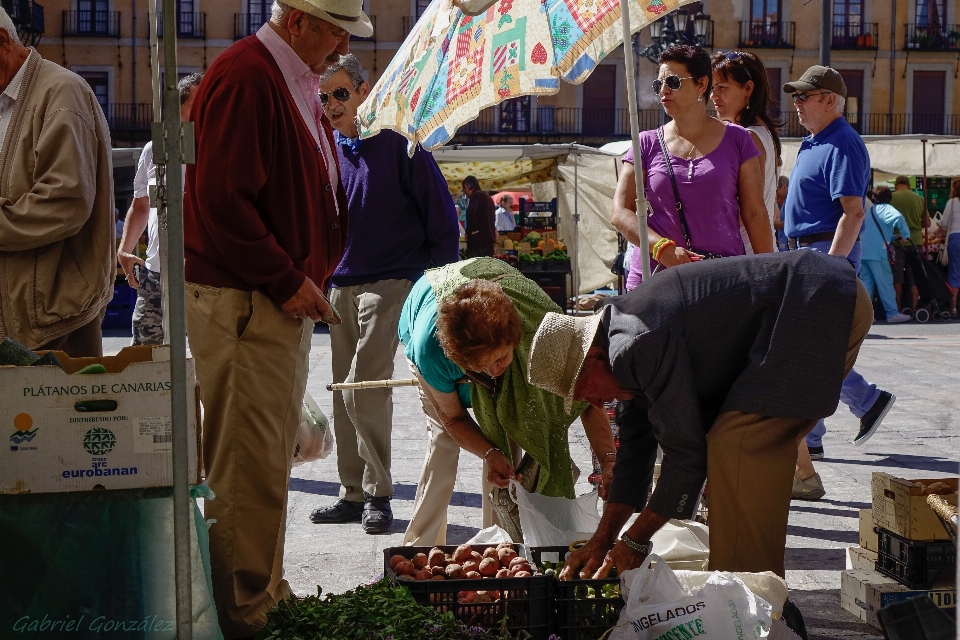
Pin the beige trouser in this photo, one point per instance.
(251, 363)
(750, 466)
(363, 348)
(428, 524)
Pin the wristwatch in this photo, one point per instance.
(643, 548)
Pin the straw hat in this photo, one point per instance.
(346, 14)
(558, 351)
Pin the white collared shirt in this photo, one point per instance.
(304, 86)
(8, 99)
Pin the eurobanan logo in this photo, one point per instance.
(22, 422)
(99, 441)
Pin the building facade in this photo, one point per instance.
(900, 60)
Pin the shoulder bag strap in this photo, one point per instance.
(873, 215)
(676, 192)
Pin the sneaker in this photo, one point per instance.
(794, 620)
(816, 453)
(338, 512)
(874, 416)
(377, 514)
(900, 317)
(809, 489)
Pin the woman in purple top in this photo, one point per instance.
(716, 170)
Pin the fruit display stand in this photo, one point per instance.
(525, 602)
(582, 609)
(550, 267)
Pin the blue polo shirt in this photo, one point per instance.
(832, 164)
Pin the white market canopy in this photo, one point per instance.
(582, 179)
(892, 156)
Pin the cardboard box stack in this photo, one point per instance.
(904, 552)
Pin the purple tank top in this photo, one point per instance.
(709, 195)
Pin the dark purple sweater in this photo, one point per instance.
(402, 217)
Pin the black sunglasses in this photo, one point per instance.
(673, 82)
(738, 56)
(803, 97)
(342, 94)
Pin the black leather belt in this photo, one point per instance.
(806, 241)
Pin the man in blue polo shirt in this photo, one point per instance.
(824, 212)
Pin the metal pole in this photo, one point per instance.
(635, 138)
(826, 31)
(926, 197)
(893, 75)
(168, 150)
(575, 275)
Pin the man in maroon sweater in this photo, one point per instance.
(481, 220)
(264, 228)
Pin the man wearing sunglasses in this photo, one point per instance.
(265, 223)
(826, 216)
(402, 221)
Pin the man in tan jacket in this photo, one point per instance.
(57, 235)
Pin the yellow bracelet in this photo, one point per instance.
(659, 250)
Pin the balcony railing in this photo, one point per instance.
(935, 37)
(103, 24)
(865, 35)
(882, 124)
(27, 17)
(768, 35)
(549, 121)
(373, 37)
(189, 26)
(126, 117)
(246, 24)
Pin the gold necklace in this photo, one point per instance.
(693, 146)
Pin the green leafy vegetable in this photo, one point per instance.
(383, 610)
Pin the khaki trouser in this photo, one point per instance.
(251, 363)
(750, 466)
(428, 524)
(363, 348)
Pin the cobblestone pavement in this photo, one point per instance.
(918, 363)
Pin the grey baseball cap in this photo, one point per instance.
(817, 77)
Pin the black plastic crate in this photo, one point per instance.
(577, 616)
(916, 619)
(914, 563)
(526, 602)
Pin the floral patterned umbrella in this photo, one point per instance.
(465, 55)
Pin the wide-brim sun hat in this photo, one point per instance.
(346, 14)
(557, 353)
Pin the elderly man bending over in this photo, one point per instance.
(752, 350)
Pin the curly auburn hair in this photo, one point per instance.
(476, 319)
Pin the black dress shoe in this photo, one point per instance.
(874, 416)
(794, 619)
(340, 511)
(377, 515)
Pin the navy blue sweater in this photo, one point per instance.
(402, 218)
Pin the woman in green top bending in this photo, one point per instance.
(466, 329)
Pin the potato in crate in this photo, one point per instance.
(479, 584)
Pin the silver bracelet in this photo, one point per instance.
(489, 451)
(609, 453)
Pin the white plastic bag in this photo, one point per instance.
(547, 521)
(658, 606)
(684, 544)
(314, 437)
(490, 535)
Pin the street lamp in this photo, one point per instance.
(673, 29)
